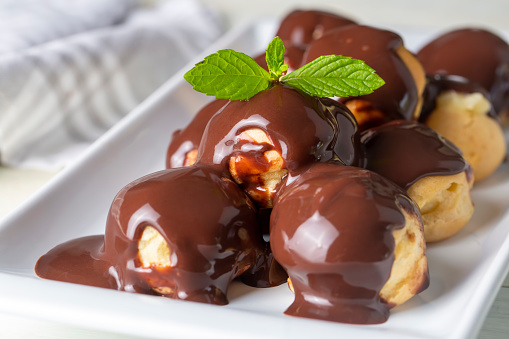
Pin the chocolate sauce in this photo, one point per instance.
(302, 129)
(476, 54)
(207, 221)
(79, 261)
(437, 84)
(347, 144)
(404, 152)
(378, 48)
(302, 27)
(266, 272)
(331, 229)
(188, 139)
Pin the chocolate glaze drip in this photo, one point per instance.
(267, 272)
(347, 144)
(301, 27)
(185, 140)
(303, 129)
(476, 54)
(331, 228)
(208, 223)
(80, 261)
(405, 151)
(398, 97)
(437, 84)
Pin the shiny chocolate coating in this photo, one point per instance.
(476, 54)
(405, 151)
(399, 96)
(302, 27)
(185, 140)
(347, 146)
(267, 272)
(208, 222)
(302, 128)
(331, 229)
(437, 84)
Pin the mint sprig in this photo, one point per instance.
(275, 58)
(228, 74)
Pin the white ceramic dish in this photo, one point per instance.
(466, 270)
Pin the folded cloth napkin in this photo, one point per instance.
(25, 23)
(58, 96)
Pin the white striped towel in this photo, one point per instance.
(58, 96)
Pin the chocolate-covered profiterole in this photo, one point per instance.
(476, 54)
(298, 29)
(303, 26)
(351, 242)
(383, 51)
(275, 132)
(184, 143)
(184, 233)
(460, 110)
(437, 84)
(429, 167)
(405, 151)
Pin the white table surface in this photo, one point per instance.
(17, 185)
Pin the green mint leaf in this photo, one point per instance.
(227, 74)
(282, 69)
(334, 75)
(275, 57)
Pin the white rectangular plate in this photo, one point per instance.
(466, 271)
